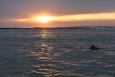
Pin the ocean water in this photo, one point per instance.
(57, 52)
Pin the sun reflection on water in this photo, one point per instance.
(44, 33)
(48, 64)
(44, 54)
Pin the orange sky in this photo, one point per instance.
(56, 13)
(50, 20)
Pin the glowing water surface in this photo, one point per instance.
(57, 53)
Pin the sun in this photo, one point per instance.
(44, 19)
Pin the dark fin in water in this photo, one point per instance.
(93, 47)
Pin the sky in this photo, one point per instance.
(19, 9)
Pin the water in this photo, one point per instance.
(57, 53)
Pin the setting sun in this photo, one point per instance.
(44, 19)
(51, 19)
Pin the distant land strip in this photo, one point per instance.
(83, 27)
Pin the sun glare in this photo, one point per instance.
(67, 18)
(44, 19)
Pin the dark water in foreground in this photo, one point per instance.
(57, 53)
